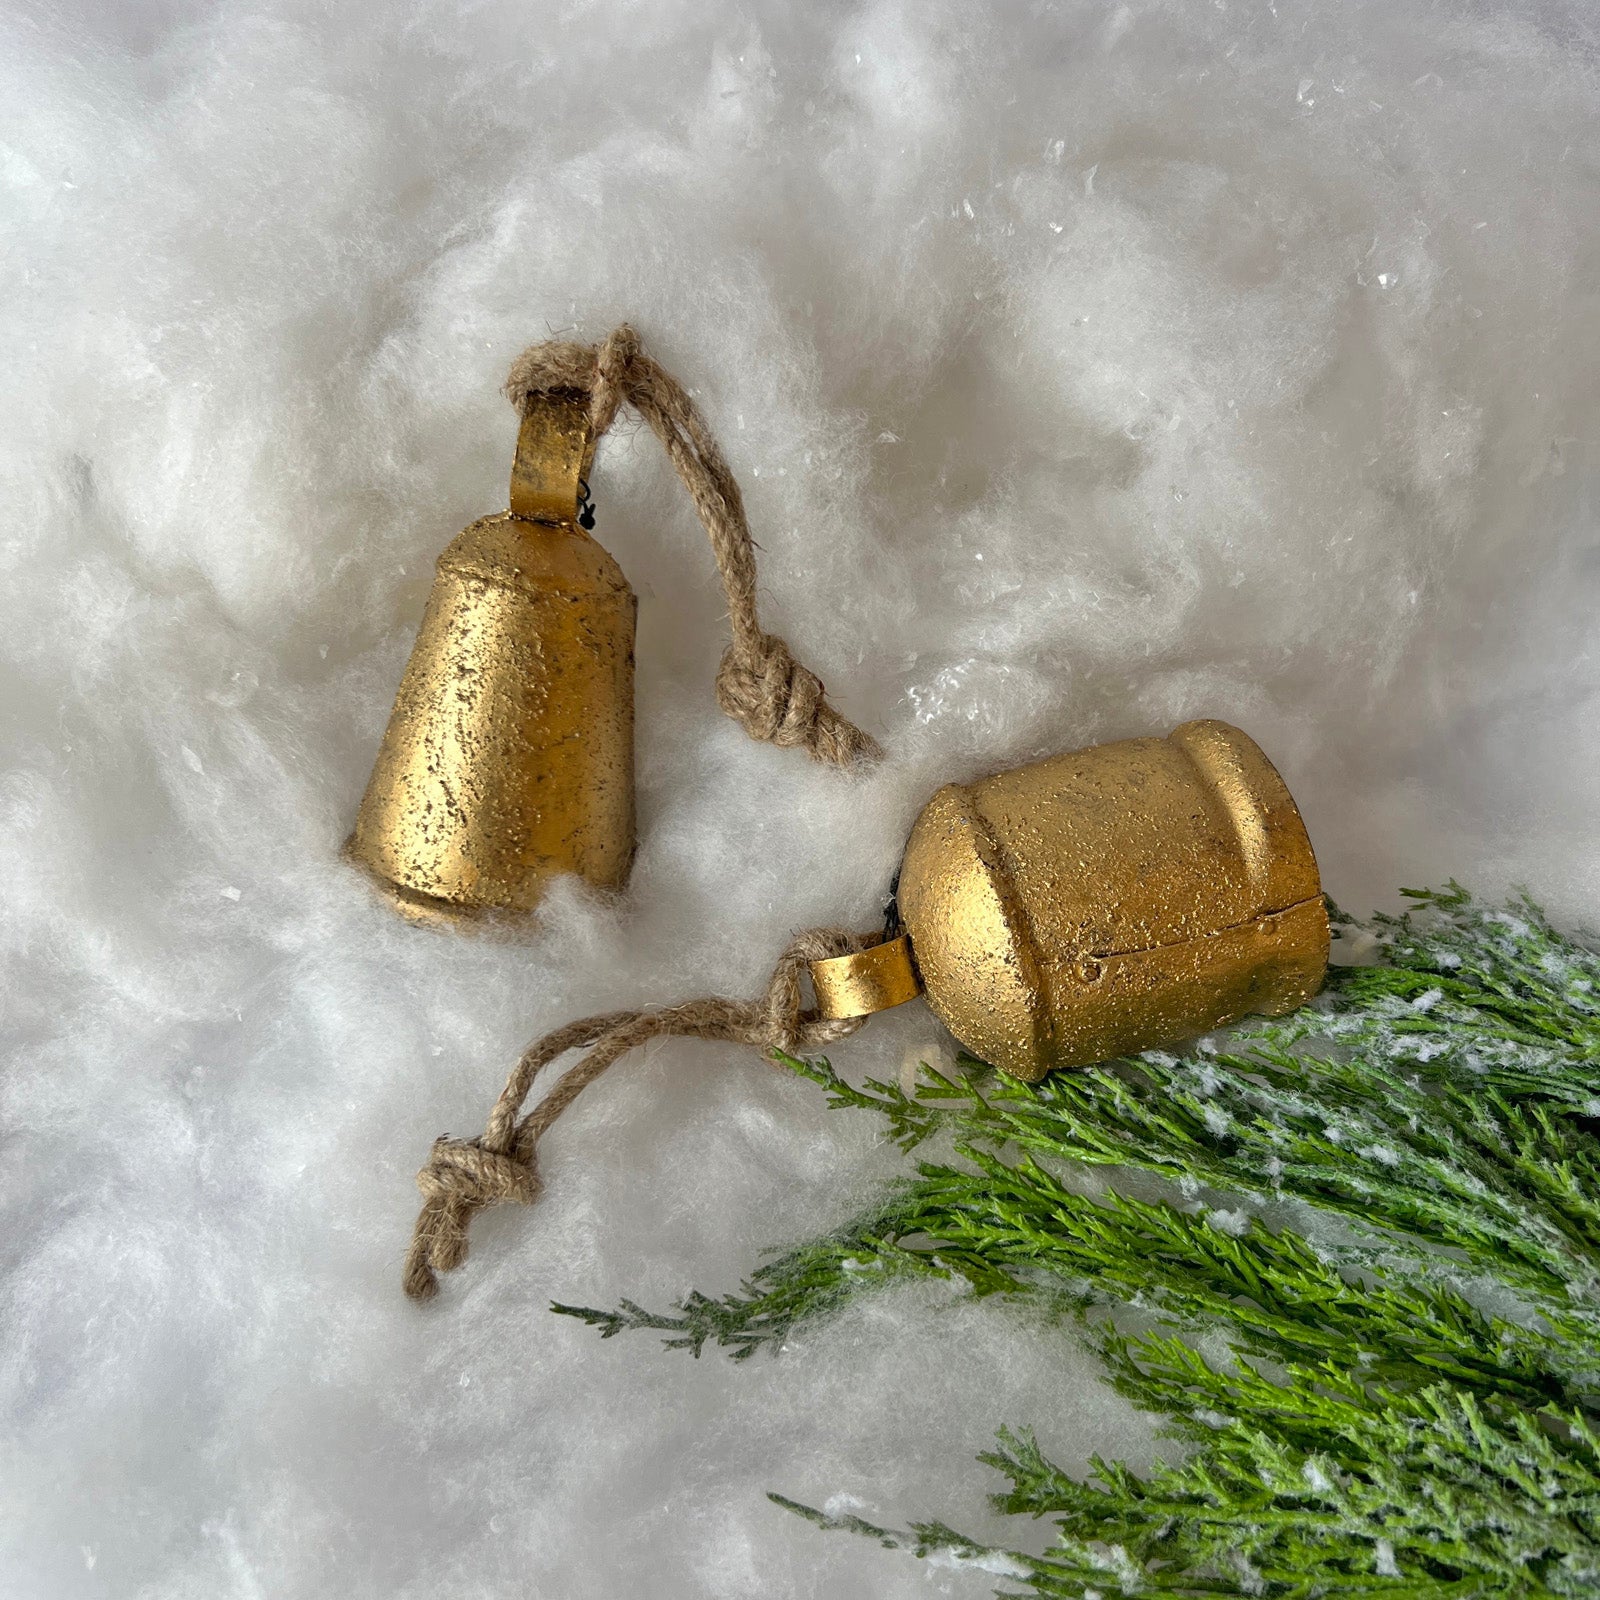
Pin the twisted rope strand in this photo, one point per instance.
(759, 682)
(465, 1176)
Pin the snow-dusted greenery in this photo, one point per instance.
(1411, 1403)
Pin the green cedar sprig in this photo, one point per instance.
(1411, 1401)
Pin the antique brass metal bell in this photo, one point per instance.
(1090, 906)
(508, 758)
(1100, 903)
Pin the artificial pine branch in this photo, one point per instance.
(1413, 1396)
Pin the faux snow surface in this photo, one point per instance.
(1087, 367)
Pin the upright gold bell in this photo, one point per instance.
(1100, 903)
(508, 758)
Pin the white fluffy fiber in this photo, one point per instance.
(1087, 366)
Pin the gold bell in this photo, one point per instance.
(1100, 903)
(508, 758)
(1091, 906)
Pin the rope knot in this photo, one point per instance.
(462, 1172)
(773, 695)
(608, 374)
(613, 376)
(460, 1178)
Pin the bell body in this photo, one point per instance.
(508, 759)
(1114, 899)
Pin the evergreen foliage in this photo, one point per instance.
(1411, 1402)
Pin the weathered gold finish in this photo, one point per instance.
(555, 452)
(874, 979)
(508, 758)
(1114, 899)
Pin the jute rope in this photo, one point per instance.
(759, 683)
(464, 1176)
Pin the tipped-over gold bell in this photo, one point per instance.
(1094, 905)
(1100, 903)
(508, 759)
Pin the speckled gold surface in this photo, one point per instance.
(508, 758)
(1114, 899)
(555, 451)
(874, 979)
